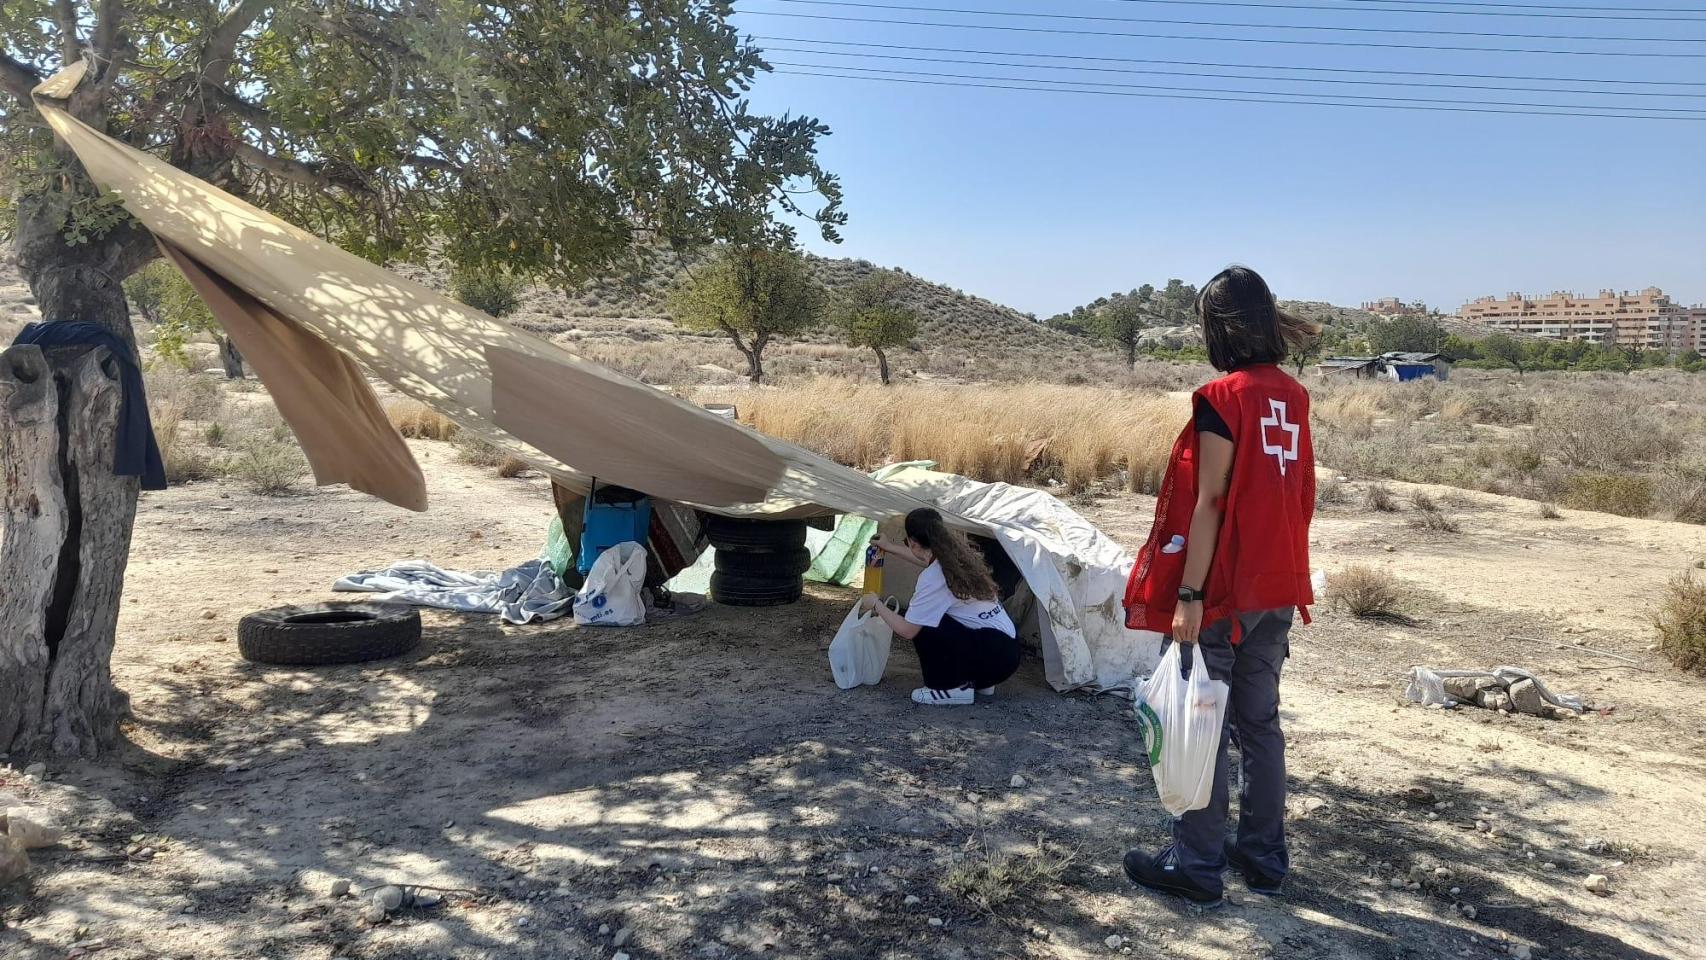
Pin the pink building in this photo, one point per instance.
(1648, 318)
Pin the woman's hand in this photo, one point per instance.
(869, 602)
(1187, 622)
(878, 544)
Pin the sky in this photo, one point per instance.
(1043, 200)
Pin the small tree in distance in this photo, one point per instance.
(1121, 322)
(178, 313)
(1506, 349)
(752, 296)
(872, 315)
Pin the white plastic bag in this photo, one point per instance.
(611, 596)
(860, 651)
(1180, 719)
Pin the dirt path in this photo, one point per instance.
(701, 783)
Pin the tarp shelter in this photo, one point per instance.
(304, 313)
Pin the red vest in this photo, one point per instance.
(1261, 561)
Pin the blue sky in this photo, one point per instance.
(1046, 200)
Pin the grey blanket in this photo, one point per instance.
(523, 594)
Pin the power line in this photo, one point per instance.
(1235, 99)
(1531, 6)
(1168, 22)
(1061, 31)
(1229, 76)
(1590, 13)
(1696, 113)
(1236, 66)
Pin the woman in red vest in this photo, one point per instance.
(1225, 568)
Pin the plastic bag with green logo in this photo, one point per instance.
(1180, 719)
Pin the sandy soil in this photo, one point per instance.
(701, 782)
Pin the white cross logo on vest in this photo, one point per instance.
(1279, 451)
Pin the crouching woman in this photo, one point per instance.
(966, 642)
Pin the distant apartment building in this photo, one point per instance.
(1394, 307)
(1647, 318)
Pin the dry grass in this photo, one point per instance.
(511, 467)
(1086, 435)
(1365, 592)
(1681, 623)
(991, 880)
(470, 449)
(1380, 499)
(1624, 494)
(418, 421)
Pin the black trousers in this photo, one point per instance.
(955, 655)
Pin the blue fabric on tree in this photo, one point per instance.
(136, 453)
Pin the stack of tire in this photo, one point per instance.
(760, 563)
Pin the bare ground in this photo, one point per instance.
(703, 784)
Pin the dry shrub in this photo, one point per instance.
(1549, 512)
(992, 879)
(1348, 410)
(1681, 492)
(418, 421)
(1604, 436)
(1366, 592)
(269, 465)
(1380, 499)
(1431, 518)
(1459, 409)
(511, 467)
(470, 449)
(1624, 494)
(1681, 623)
(1330, 492)
(175, 400)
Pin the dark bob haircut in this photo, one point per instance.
(1243, 324)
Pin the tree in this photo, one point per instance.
(168, 301)
(491, 289)
(872, 314)
(1121, 323)
(1505, 349)
(558, 139)
(1407, 334)
(1177, 301)
(751, 295)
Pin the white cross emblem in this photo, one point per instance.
(1279, 451)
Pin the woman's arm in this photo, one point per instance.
(902, 627)
(894, 554)
(1214, 469)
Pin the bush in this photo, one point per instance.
(1365, 592)
(1549, 512)
(1624, 494)
(418, 421)
(511, 467)
(1380, 499)
(1330, 492)
(993, 879)
(470, 449)
(268, 465)
(1681, 623)
(496, 292)
(1604, 436)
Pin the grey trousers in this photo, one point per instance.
(1251, 669)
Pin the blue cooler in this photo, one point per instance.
(622, 516)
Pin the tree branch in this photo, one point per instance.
(107, 24)
(251, 113)
(17, 78)
(70, 49)
(222, 43)
(291, 170)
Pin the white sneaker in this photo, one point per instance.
(957, 697)
(986, 691)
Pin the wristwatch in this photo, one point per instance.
(1190, 595)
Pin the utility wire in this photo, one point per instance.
(1226, 76)
(1532, 6)
(1062, 31)
(1589, 13)
(1168, 22)
(1236, 99)
(1695, 113)
(1234, 66)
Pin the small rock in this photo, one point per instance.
(1469, 910)
(37, 770)
(1526, 698)
(373, 913)
(622, 937)
(340, 888)
(912, 900)
(146, 853)
(1391, 549)
(604, 929)
(1041, 933)
(1548, 865)
(1432, 815)
(1397, 883)
(936, 921)
(389, 897)
(1017, 781)
(208, 614)
(1481, 825)
(1598, 883)
(620, 956)
(1521, 951)
(1313, 804)
(973, 798)
(1596, 845)
(521, 921)
(1442, 873)
(1456, 890)
(1114, 941)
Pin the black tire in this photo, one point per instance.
(728, 533)
(765, 565)
(320, 633)
(735, 591)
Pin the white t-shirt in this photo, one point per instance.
(931, 600)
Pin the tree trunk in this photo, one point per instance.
(882, 365)
(1131, 354)
(230, 358)
(67, 538)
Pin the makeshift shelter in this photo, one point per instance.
(304, 313)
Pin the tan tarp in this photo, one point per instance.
(569, 417)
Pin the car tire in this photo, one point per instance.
(765, 565)
(327, 633)
(729, 533)
(734, 591)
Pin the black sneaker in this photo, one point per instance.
(1163, 874)
(1255, 880)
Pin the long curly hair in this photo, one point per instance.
(963, 567)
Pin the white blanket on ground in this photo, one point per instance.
(522, 594)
